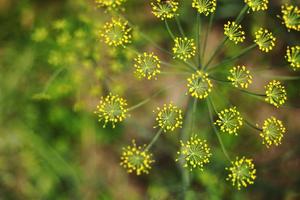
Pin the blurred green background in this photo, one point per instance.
(53, 71)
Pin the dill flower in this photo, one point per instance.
(39, 34)
(116, 32)
(233, 31)
(291, 16)
(275, 93)
(272, 131)
(205, 6)
(293, 57)
(109, 4)
(195, 153)
(257, 5)
(136, 159)
(147, 66)
(240, 77)
(169, 117)
(229, 121)
(112, 108)
(264, 39)
(164, 9)
(199, 85)
(60, 24)
(241, 173)
(184, 48)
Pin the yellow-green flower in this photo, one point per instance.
(169, 117)
(184, 48)
(116, 33)
(112, 108)
(272, 132)
(291, 16)
(195, 153)
(136, 159)
(240, 77)
(147, 66)
(205, 6)
(293, 57)
(109, 4)
(60, 24)
(275, 93)
(264, 39)
(241, 173)
(229, 121)
(39, 34)
(164, 9)
(199, 85)
(257, 5)
(63, 39)
(234, 33)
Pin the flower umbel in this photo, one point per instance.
(169, 117)
(272, 132)
(233, 31)
(205, 6)
(164, 9)
(230, 121)
(199, 85)
(291, 16)
(264, 39)
(293, 57)
(184, 48)
(195, 153)
(109, 4)
(116, 33)
(275, 93)
(147, 66)
(136, 159)
(257, 5)
(112, 108)
(241, 173)
(40, 34)
(240, 77)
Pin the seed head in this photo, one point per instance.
(233, 31)
(205, 6)
(169, 117)
(147, 66)
(291, 17)
(257, 5)
(293, 57)
(164, 9)
(264, 39)
(199, 85)
(110, 4)
(240, 77)
(230, 121)
(184, 48)
(275, 93)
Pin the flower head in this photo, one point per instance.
(291, 17)
(40, 34)
(109, 4)
(293, 57)
(275, 93)
(169, 117)
(257, 5)
(136, 159)
(184, 48)
(272, 131)
(112, 108)
(199, 85)
(264, 39)
(205, 6)
(229, 121)
(195, 153)
(240, 77)
(241, 173)
(164, 9)
(233, 31)
(116, 32)
(147, 66)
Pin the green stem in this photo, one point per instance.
(154, 139)
(193, 115)
(198, 32)
(241, 15)
(52, 78)
(215, 52)
(252, 125)
(206, 35)
(179, 26)
(169, 30)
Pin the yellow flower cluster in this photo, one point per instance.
(199, 85)
(164, 9)
(240, 77)
(116, 32)
(147, 66)
(230, 121)
(233, 31)
(275, 93)
(111, 108)
(205, 6)
(293, 57)
(40, 34)
(184, 48)
(242, 172)
(136, 159)
(195, 153)
(109, 4)
(169, 117)
(257, 5)
(264, 39)
(272, 131)
(291, 17)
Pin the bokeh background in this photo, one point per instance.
(53, 71)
